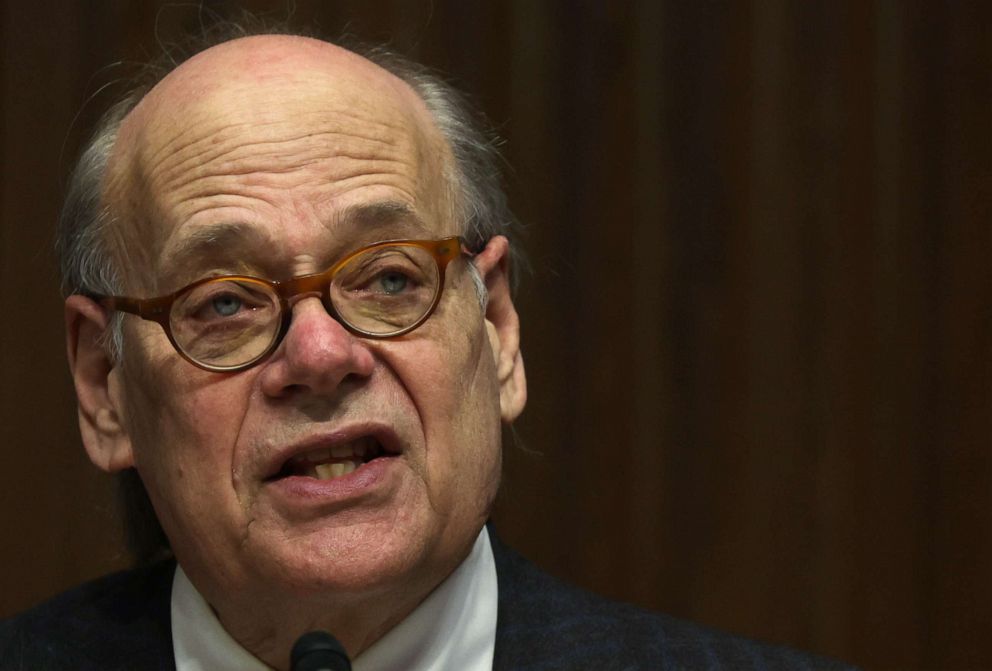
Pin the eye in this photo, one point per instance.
(225, 301)
(385, 273)
(393, 282)
(226, 304)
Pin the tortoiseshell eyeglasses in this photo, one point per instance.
(231, 322)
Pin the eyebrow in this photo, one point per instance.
(219, 243)
(223, 244)
(396, 216)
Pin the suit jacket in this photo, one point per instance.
(122, 622)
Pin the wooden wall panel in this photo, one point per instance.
(757, 322)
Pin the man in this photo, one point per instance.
(289, 316)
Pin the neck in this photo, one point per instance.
(269, 630)
(265, 626)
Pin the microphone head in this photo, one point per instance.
(318, 651)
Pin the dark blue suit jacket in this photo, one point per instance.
(122, 622)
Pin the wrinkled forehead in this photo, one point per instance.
(252, 91)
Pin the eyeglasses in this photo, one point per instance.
(230, 323)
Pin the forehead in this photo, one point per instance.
(267, 131)
(245, 79)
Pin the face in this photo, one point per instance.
(282, 166)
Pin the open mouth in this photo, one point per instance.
(327, 463)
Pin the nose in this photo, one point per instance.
(316, 355)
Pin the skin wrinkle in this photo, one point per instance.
(218, 137)
(221, 133)
(185, 181)
(238, 437)
(194, 125)
(189, 192)
(235, 150)
(228, 200)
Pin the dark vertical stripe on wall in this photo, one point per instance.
(649, 260)
(963, 433)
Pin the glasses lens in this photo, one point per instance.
(386, 289)
(226, 323)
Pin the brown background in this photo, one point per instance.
(758, 327)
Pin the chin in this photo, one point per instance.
(341, 562)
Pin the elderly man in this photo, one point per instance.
(289, 316)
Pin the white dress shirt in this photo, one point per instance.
(454, 629)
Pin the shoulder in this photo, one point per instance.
(115, 622)
(544, 623)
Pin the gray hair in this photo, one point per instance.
(82, 241)
(89, 264)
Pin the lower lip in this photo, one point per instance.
(369, 479)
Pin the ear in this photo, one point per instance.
(97, 382)
(503, 327)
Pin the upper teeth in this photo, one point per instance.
(331, 462)
(328, 471)
(355, 448)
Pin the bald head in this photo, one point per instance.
(262, 123)
(244, 67)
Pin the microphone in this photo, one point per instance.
(318, 651)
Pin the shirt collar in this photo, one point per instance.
(453, 628)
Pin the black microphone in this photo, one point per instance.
(318, 651)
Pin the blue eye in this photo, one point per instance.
(226, 304)
(393, 283)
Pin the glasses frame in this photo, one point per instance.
(159, 309)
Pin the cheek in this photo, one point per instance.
(452, 383)
(184, 425)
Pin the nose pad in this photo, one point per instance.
(316, 354)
